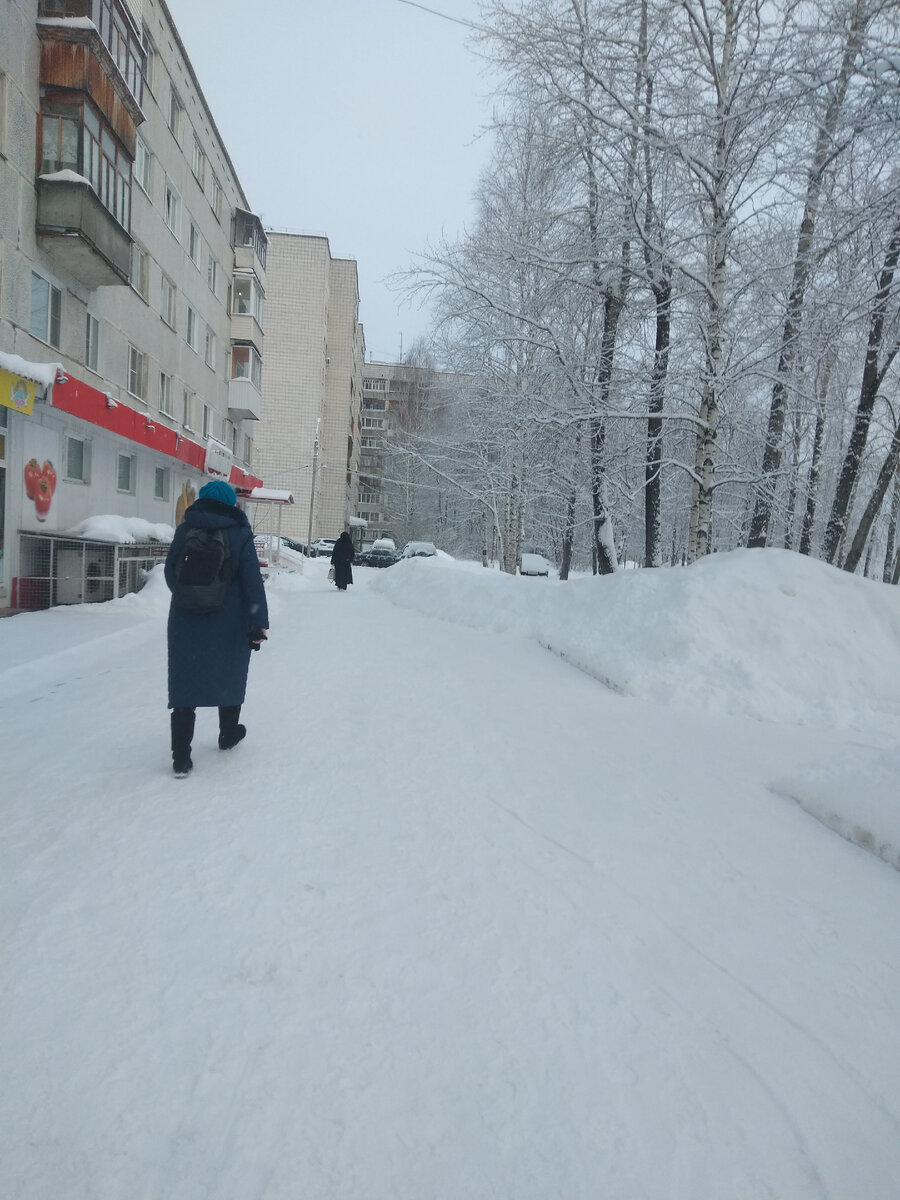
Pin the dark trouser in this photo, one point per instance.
(183, 727)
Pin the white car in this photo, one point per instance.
(322, 547)
(534, 564)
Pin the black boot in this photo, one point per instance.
(230, 733)
(182, 736)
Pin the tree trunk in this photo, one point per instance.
(885, 475)
(892, 532)
(822, 158)
(868, 393)
(653, 483)
(823, 382)
(792, 491)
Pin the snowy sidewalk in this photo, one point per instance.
(455, 922)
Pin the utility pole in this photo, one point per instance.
(312, 489)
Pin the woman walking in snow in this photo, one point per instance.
(217, 615)
(342, 560)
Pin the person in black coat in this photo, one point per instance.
(342, 560)
(209, 653)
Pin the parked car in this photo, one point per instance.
(534, 564)
(293, 544)
(419, 550)
(381, 556)
(322, 547)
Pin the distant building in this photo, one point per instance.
(130, 257)
(312, 387)
(394, 397)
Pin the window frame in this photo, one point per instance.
(168, 304)
(142, 170)
(132, 473)
(172, 209)
(165, 390)
(140, 268)
(85, 444)
(50, 332)
(137, 372)
(92, 343)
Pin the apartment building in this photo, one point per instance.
(395, 399)
(308, 438)
(132, 284)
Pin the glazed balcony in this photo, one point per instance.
(79, 232)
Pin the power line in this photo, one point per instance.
(446, 16)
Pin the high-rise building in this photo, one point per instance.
(132, 281)
(308, 439)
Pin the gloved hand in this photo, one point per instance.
(257, 637)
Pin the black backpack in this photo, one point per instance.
(203, 571)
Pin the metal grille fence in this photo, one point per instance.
(65, 570)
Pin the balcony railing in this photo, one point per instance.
(117, 33)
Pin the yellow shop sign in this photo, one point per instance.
(17, 392)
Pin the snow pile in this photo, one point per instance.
(857, 798)
(122, 530)
(43, 373)
(767, 634)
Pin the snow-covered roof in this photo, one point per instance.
(43, 373)
(122, 530)
(269, 496)
(66, 176)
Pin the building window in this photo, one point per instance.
(176, 108)
(78, 459)
(165, 394)
(125, 473)
(374, 385)
(143, 161)
(198, 162)
(151, 60)
(46, 310)
(92, 343)
(137, 372)
(207, 420)
(169, 303)
(192, 336)
(173, 208)
(248, 450)
(75, 137)
(161, 483)
(188, 408)
(194, 241)
(140, 270)
(369, 443)
(216, 198)
(246, 364)
(212, 272)
(247, 297)
(210, 349)
(373, 423)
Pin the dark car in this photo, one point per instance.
(380, 556)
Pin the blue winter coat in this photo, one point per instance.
(209, 652)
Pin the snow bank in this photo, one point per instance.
(123, 530)
(767, 634)
(857, 798)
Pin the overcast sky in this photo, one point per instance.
(357, 119)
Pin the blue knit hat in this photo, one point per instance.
(218, 489)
